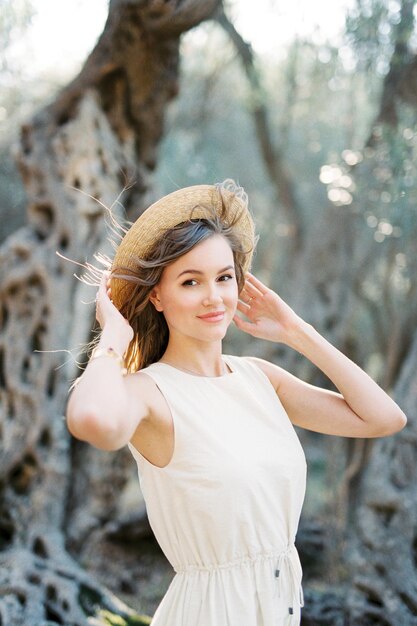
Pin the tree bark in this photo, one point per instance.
(327, 293)
(60, 498)
(272, 155)
(99, 135)
(396, 87)
(382, 548)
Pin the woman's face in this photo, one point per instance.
(198, 292)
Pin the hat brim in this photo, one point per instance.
(169, 211)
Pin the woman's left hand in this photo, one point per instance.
(269, 316)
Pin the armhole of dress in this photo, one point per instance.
(254, 367)
(141, 460)
(263, 376)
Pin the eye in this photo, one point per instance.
(191, 282)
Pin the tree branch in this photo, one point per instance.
(396, 83)
(272, 156)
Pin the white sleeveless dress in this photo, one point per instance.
(225, 510)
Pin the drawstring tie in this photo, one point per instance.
(285, 568)
(284, 565)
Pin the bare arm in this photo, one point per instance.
(361, 397)
(102, 409)
(361, 409)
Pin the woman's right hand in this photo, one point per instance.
(106, 313)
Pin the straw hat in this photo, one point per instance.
(174, 208)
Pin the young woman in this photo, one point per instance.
(220, 465)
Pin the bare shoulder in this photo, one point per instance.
(311, 407)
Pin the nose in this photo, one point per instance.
(212, 295)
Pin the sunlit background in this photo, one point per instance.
(319, 68)
(60, 34)
(313, 129)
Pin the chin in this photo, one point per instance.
(212, 334)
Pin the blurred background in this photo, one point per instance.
(312, 107)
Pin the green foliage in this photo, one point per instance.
(372, 29)
(92, 602)
(111, 619)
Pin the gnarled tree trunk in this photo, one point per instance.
(383, 548)
(100, 134)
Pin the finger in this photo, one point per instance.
(102, 292)
(255, 282)
(246, 310)
(248, 327)
(245, 296)
(243, 306)
(251, 292)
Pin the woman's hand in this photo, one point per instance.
(106, 313)
(269, 316)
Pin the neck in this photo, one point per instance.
(206, 361)
(206, 374)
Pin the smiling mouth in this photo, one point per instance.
(216, 315)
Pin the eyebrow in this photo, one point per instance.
(229, 267)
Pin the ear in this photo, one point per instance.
(154, 298)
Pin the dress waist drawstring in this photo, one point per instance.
(237, 562)
(285, 567)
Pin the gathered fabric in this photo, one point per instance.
(226, 508)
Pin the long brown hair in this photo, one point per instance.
(151, 332)
(150, 328)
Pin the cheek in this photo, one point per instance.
(186, 298)
(179, 301)
(234, 290)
